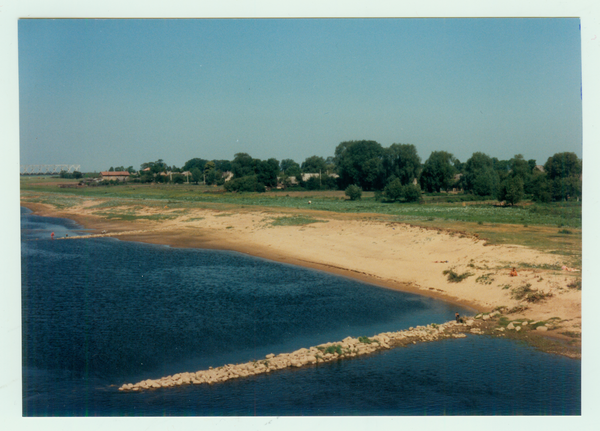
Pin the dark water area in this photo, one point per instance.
(97, 313)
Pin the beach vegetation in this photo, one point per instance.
(526, 293)
(485, 278)
(453, 277)
(298, 220)
(365, 340)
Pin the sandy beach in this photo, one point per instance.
(366, 247)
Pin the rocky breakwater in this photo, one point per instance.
(346, 349)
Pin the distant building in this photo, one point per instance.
(115, 176)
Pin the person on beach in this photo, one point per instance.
(513, 273)
(457, 317)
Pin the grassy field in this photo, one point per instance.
(555, 228)
(562, 215)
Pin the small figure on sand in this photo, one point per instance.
(457, 317)
(513, 273)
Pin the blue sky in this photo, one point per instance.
(104, 93)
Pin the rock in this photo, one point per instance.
(486, 317)
(510, 326)
(479, 316)
(500, 329)
(518, 328)
(270, 356)
(525, 323)
(470, 322)
(541, 328)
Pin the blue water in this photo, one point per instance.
(98, 313)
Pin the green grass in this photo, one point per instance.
(565, 214)
(365, 340)
(453, 277)
(485, 279)
(525, 292)
(298, 220)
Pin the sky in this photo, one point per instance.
(106, 92)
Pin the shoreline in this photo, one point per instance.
(248, 232)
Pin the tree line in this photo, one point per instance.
(395, 172)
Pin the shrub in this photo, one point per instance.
(353, 192)
(453, 277)
(526, 293)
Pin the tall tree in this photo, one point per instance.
(360, 163)
(243, 165)
(480, 176)
(402, 162)
(314, 164)
(438, 172)
(194, 163)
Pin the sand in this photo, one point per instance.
(366, 247)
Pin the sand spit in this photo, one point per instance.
(346, 349)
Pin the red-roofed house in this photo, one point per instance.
(116, 176)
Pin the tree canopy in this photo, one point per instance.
(438, 172)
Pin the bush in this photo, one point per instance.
(453, 277)
(411, 193)
(353, 192)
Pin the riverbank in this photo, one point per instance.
(367, 247)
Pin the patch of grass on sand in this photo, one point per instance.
(453, 277)
(297, 220)
(193, 219)
(132, 216)
(525, 292)
(485, 279)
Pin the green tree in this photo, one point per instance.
(267, 171)
(196, 175)
(353, 192)
(402, 162)
(209, 166)
(360, 163)
(540, 187)
(562, 165)
(314, 164)
(511, 190)
(438, 172)
(394, 191)
(411, 193)
(111, 169)
(481, 177)
(194, 163)
(243, 165)
(77, 174)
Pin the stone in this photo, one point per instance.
(510, 326)
(541, 328)
(518, 328)
(270, 356)
(525, 323)
(486, 317)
